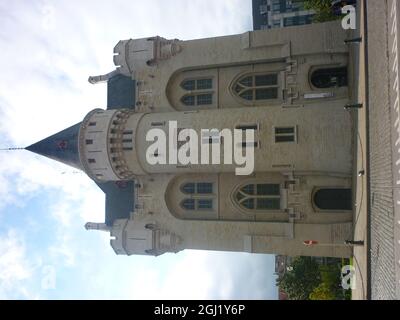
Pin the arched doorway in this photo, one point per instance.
(329, 77)
(333, 199)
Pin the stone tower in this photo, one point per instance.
(288, 86)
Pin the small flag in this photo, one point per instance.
(310, 242)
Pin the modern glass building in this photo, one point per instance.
(268, 14)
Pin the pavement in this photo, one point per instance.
(359, 117)
(382, 121)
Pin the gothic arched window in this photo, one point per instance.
(261, 196)
(199, 195)
(197, 188)
(329, 77)
(188, 204)
(203, 99)
(199, 92)
(256, 87)
(197, 204)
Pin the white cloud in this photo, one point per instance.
(63, 252)
(15, 269)
(205, 275)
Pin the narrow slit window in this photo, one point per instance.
(285, 134)
(283, 138)
(245, 127)
(157, 124)
(250, 144)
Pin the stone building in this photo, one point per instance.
(288, 85)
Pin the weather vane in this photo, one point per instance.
(11, 149)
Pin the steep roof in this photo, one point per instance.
(119, 200)
(62, 146)
(121, 92)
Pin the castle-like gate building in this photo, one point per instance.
(288, 85)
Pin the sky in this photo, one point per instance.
(48, 49)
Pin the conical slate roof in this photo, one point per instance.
(62, 146)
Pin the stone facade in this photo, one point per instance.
(290, 85)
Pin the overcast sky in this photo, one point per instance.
(48, 50)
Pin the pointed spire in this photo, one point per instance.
(62, 146)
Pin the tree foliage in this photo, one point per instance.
(310, 280)
(322, 8)
(301, 281)
(322, 292)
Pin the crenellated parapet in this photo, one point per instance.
(120, 140)
(144, 238)
(132, 55)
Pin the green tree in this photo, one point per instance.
(322, 292)
(301, 281)
(322, 8)
(332, 289)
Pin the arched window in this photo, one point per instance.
(199, 196)
(260, 196)
(257, 87)
(197, 204)
(197, 188)
(329, 77)
(331, 199)
(200, 92)
(197, 84)
(188, 204)
(202, 99)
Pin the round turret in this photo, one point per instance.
(103, 140)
